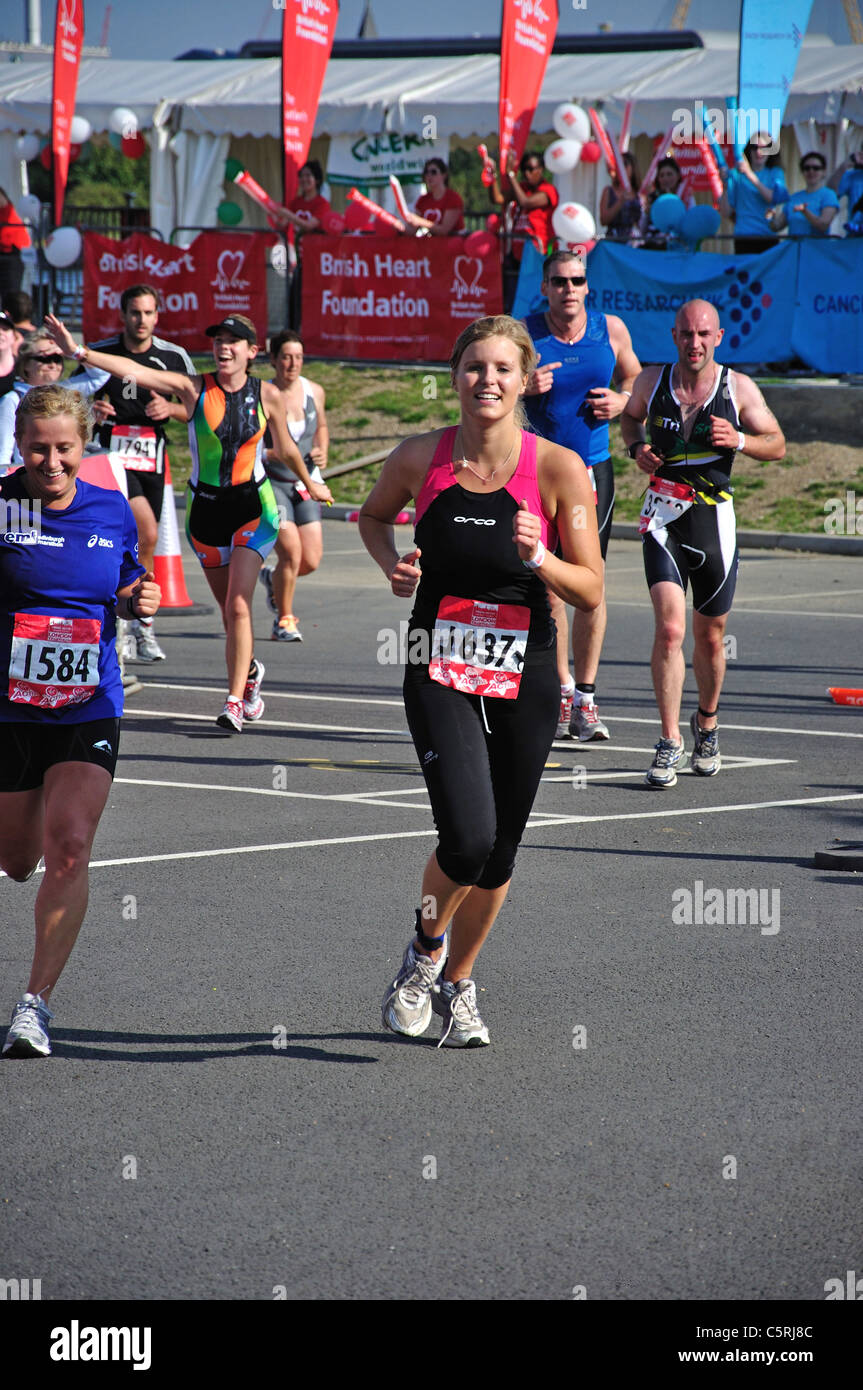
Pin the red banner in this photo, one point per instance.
(68, 38)
(527, 35)
(308, 28)
(221, 273)
(373, 298)
(691, 159)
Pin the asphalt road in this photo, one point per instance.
(668, 1110)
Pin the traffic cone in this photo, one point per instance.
(168, 562)
(841, 695)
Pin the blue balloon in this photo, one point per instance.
(699, 221)
(667, 212)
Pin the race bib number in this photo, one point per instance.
(479, 648)
(54, 661)
(136, 447)
(664, 502)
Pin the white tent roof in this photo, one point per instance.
(242, 97)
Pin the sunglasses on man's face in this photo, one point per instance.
(48, 357)
(561, 281)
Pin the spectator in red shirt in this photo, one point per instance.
(14, 238)
(309, 211)
(534, 197)
(440, 210)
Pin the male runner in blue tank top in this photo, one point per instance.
(698, 414)
(568, 401)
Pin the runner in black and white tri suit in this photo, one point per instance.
(698, 415)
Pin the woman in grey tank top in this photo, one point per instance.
(299, 545)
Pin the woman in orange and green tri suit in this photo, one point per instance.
(231, 515)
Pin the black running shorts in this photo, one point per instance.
(30, 749)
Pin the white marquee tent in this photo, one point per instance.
(191, 110)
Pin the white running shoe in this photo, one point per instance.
(407, 1004)
(28, 1031)
(253, 705)
(669, 756)
(266, 579)
(231, 717)
(145, 646)
(456, 1005)
(564, 716)
(586, 725)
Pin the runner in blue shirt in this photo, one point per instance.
(68, 567)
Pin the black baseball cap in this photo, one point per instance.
(235, 325)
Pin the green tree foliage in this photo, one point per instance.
(102, 177)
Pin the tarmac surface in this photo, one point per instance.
(669, 1108)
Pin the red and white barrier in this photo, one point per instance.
(168, 560)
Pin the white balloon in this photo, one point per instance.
(63, 247)
(571, 123)
(29, 208)
(123, 121)
(573, 222)
(562, 155)
(27, 146)
(80, 130)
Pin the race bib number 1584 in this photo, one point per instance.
(54, 661)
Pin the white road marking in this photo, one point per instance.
(284, 695)
(838, 592)
(270, 724)
(774, 612)
(361, 797)
(550, 820)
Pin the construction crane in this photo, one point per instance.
(855, 24)
(106, 24)
(681, 14)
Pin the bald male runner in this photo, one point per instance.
(698, 414)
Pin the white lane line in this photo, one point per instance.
(729, 763)
(283, 695)
(550, 820)
(747, 728)
(270, 724)
(360, 797)
(838, 592)
(774, 612)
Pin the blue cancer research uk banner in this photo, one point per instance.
(753, 295)
(828, 320)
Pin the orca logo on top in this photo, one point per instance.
(477, 520)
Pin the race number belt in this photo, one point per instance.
(479, 648)
(664, 502)
(136, 447)
(54, 661)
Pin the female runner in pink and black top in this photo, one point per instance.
(481, 690)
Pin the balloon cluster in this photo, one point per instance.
(573, 223)
(670, 214)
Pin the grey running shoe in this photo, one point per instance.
(705, 758)
(253, 705)
(266, 579)
(586, 725)
(456, 1005)
(286, 630)
(146, 647)
(231, 717)
(407, 1004)
(28, 1031)
(564, 716)
(668, 758)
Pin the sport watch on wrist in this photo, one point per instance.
(634, 448)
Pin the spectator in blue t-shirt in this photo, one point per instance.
(754, 188)
(811, 212)
(848, 180)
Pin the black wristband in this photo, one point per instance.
(634, 448)
(428, 943)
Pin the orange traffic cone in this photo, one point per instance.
(168, 562)
(843, 696)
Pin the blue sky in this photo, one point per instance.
(166, 28)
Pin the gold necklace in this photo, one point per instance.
(482, 477)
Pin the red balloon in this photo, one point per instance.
(480, 243)
(74, 153)
(492, 222)
(133, 146)
(45, 157)
(590, 152)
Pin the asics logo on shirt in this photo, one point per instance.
(477, 520)
(100, 540)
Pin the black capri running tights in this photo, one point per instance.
(482, 784)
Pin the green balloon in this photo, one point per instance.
(229, 214)
(233, 167)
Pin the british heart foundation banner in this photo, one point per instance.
(68, 38)
(368, 298)
(308, 29)
(220, 273)
(527, 35)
